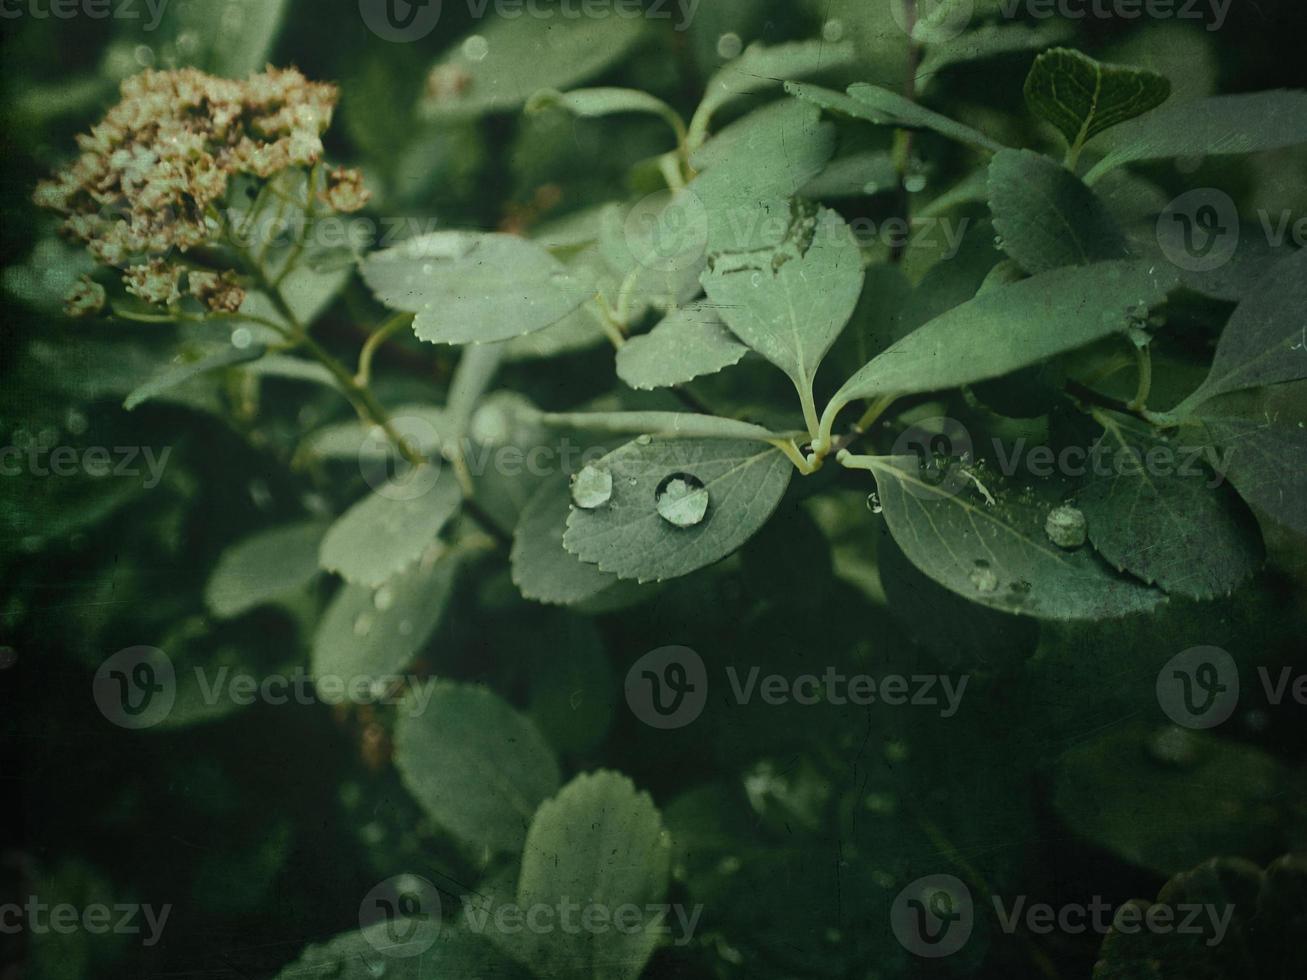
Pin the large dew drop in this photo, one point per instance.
(1066, 527)
(682, 500)
(592, 488)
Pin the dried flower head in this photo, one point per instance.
(220, 292)
(86, 298)
(152, 173)
(155, 282)
(345, 191)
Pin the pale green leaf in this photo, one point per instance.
(663, 425)
(1177, 527)
(885, 108)
(231, 38)
(387, 531)
(597, 102)
(1082, 97)
(478, 767)
(457, 284)
(179, 374)
(543, 570)
(263, 568)
(519, 56)
(999, 554)
(792, 315)
(628, 537)
(688, 343)
(856, 175)
(599, 841)
(1222, 125)
(1046, 217)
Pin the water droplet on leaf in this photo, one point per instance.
(1066, 527)
(984, 578)
(592, 487)
(682, 500)
(873, 503)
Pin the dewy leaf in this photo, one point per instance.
(501, 66)
(792, 315)
(1169, 523)
(225, 357)
(1082, 97)
(1265, 342)
(478, 767)
(664, 425)
(375, 633)
(369, 953)
(744, 481)
(1261, 437)
(263, 568)
(885, 108)
(471, 288)
(599, 841)
(1222, 125)
(1000, 554)
(761, 67)
(688, 343)
(1011, 327)
(751, 172)
(389, 530)
(543, 570)
(1046, 217)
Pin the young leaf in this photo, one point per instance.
(597, 841)
(664, 425)
(1222, 125)
(388, 531)
(630, 536)
(596, 102)
(688, 343)
(885, 108)
(1082, 97)
(500, 66)
(1177, 529)
(179, 374)
(1000, 554)
(459, 285)
(1265, 342)
(1011, 327)
(263, 568)
(1046, 217)
(792, 315)
(374, 633)
(543, 570)
(478, 767)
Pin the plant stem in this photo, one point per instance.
(1144, 361)
(383, 333)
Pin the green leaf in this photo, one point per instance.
(628, 536)
(478, 767)
(855, 175)
(760, 68)
(366, 954)
(1046, 217)
(688, 343)
(596, 102)
(885, 108)
(376, 633)
(1082, 97)
(232, 39)
(1222, 125)
(751, 171)
(1011, 327)
(543, 570)
(1262, 439)
(999, 554)
(179, 374)
(389, 530)
(598, 842)
(264, 568)
(655, 251)
(1176, 528)
(664, 425)
(1265, 342)
(1129, 790)
(993, 41)
(519, 56)
(456, 284)
(792, 315)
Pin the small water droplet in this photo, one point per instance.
(914, 183)
(363, 624)
(75, 422)
(873, 503)
(592, 487)
(1174, 746)
(383, 598)
(242, 337)
(144, 55)
(475, 48)
(644, 440)
(729, 45)
(682, 500)
(1066, 527)
(832, 32)
(984, 578)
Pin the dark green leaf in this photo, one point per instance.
(1082, 97)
